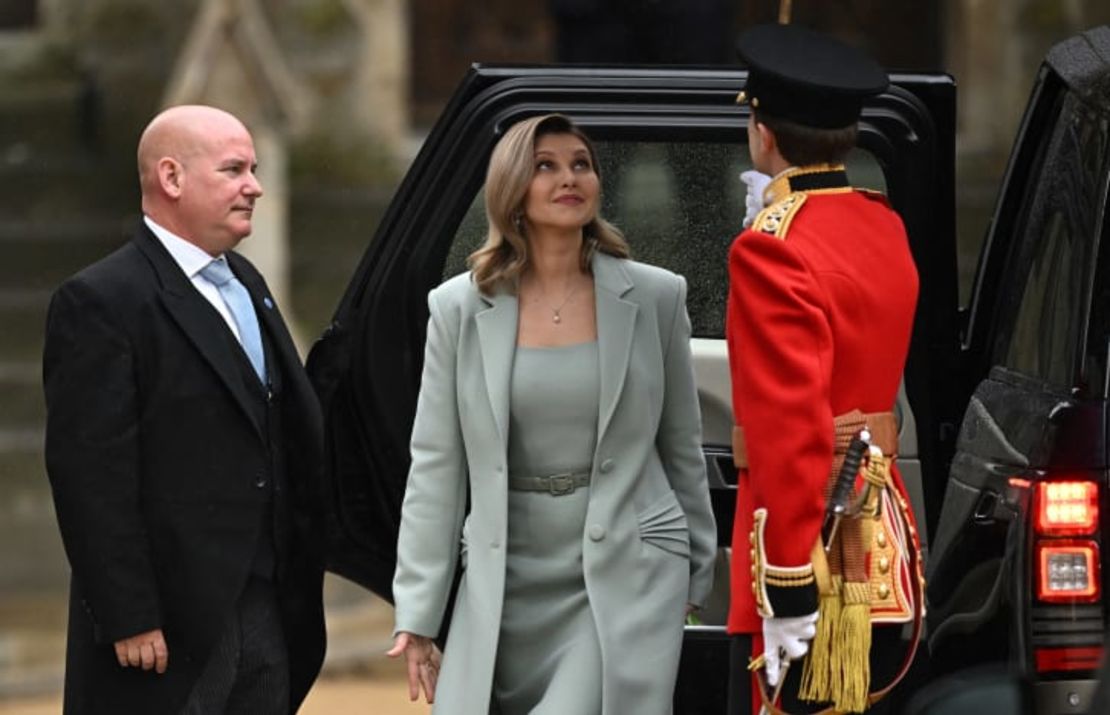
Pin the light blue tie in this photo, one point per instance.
(238, 301)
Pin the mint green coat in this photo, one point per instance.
(650, 537)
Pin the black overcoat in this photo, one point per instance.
(156, 458)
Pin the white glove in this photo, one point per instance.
(787, 637)
(753, 203)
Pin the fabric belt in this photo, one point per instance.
(555, 484)
(882, 425)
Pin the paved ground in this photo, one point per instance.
(357, 678)
(381, 692)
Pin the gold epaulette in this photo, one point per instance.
(776, 218)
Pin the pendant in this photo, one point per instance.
(555, 317)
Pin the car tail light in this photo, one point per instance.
(1057, 659)
(1068, 571)
(1066, 508)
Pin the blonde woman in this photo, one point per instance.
(558, 392)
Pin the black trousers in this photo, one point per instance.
(248, 671)
(887, 653)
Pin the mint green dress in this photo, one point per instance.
(548, 654)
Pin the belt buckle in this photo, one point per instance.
(560, 484)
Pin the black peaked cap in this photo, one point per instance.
(797, 74)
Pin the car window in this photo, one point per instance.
(1042, 319)
(680, 205)
(1096, 372)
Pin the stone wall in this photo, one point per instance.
(994, 48)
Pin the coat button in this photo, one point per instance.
(880, 538)
(260, 480)
(884, 564)
(597, 533)
(884, 590)
(495, 545)
(607, 465)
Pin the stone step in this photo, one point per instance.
(31, 549)
(33, 582)
(22, 398)
(39, 255)
(22, 322)
(49, 156)
(42, 188)
(32, 641)
(20, 450)
(19, 346)
(45, 113)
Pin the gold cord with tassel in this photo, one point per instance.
(817, 673)
(853, 649)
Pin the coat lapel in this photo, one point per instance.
(497, 331)
(616, 320)
(195, 316)
(285, 351)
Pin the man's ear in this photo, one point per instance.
(767, 141)
(171, 176)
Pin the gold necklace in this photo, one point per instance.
(556, 311)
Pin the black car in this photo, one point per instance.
(672, 144)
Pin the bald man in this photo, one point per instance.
(183, 445)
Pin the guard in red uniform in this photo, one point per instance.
(822, 291)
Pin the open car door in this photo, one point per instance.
(1014, 573)
(671, 148)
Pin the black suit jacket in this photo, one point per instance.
(155, 457)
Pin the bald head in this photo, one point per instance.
(197, 174)
(180, 133)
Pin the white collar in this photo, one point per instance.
(191, 257)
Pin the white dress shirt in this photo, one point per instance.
(192, 259)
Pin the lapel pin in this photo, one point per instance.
(268, 303)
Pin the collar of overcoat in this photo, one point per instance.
(616, 319)
(200, 322)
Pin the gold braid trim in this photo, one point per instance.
(764, 574)
(787, 581)
(776, 218)
(759, 590)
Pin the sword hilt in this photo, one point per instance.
(840, 500)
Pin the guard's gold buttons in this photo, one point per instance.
(884, 590)
(884, 564)
(880, 538)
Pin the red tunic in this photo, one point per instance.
(822, 292)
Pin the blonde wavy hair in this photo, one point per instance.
(500, 261)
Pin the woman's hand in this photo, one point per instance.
(422, 657)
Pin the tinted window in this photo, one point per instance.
(680, 205)
(1043, 318)
(1095, 374)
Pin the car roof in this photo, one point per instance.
(1083, 62)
